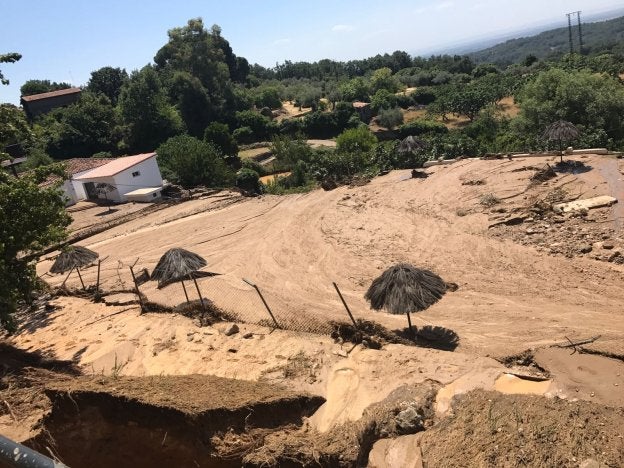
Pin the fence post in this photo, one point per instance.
(136, 285)
(263, 301)
(344, 303)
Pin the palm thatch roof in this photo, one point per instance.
(73, 256)
(175, 265)
(403, 288)
(411, 144)
(561, 130)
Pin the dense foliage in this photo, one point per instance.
(31, 217)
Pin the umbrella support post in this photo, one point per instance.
(409, 322)
(67, 277)
(201, 299)
(344, 303)
(97, 283)
(136, 285)
(80, 276)
(185, 293)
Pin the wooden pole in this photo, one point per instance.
(185, 293)
(201, 299)
(344, 303)
(97, 283)
(136, 285)
(80, 276)
(263, 301)
(409, 322)
(67, 277)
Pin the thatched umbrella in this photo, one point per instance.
(561, 131)
(177, 265)
(411, 144)
(403, 288)
(71, 257)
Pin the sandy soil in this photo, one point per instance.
(511, 297)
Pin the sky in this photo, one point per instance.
(64, 40)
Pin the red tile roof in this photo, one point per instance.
(60, 92)
(116, 166)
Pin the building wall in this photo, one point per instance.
(124, 182)
(149, 176)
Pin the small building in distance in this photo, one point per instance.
(120, 177)
(37, 104)
(364, 110)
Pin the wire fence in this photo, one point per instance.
(244, 299)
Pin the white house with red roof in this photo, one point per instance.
(129, 178)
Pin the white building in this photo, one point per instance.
(118, 178)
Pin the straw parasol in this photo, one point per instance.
(71, 257)
(411, 144)
(561, 131)
(177, 265)
(403, 288)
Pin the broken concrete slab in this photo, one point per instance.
(585, 204)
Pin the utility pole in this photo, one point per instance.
(580, 32)
(569, 15)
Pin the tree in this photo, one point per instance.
(41, 86)
(219, 135)
(383, 99)
(383, 79)
(144, 108)
(248, 180)
(288, 151)
(14, 128)
(584, 98)
(355, 89)
(194, 50)
(355, 140)
(31, 217)
(390, 118)
(267, 97)
(11, 57)
(193, 102)
(82, 129)
(193, 162)
(108, 81)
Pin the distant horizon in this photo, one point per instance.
(104, 34)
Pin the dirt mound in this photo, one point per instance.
(407, 410)
(491, 429)
(161, 420)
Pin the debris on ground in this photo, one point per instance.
(585, 204)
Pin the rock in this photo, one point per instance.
(231, 330)
(409, 420)
(608, 245)
(615, 256)
(190, 338)
(585, 248)
(248, 335)
(589, 463)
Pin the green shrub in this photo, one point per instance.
(423, 96)
(390, 118)
(422, 127)
(249, 180)
(355, 140)
(254, 166)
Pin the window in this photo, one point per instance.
(136, 174)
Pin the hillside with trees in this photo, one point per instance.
(199, 104)
(604, 36)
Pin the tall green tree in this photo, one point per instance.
(14, 128)
(31, 217)
(193, 102)
(590, 100)
(82, 129)
(108, 81)
(11, 57)
(192, 162)
(149, 117)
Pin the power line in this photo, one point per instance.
(580, 33)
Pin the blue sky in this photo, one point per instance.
(66, 40)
